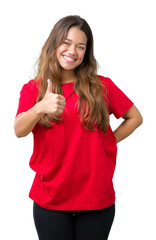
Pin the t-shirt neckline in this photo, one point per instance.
(67, 83)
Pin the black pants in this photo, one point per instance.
(73, 225)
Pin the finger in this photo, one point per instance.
(61, 97)
(49, 86)
(59, 112)
(62, 103)
(60, 107)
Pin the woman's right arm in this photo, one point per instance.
(51, 104)
(25, 121)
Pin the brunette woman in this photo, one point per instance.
(67, 107)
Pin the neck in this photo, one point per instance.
(68, 76)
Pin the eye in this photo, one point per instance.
(82, 48)
(66, 43)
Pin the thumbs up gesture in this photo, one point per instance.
(52, 103)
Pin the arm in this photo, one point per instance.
(132, 120)
(51, 104)
(25, 121)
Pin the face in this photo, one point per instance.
(70, 53)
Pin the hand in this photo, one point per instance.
(52, 103)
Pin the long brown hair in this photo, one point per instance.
(87, 85)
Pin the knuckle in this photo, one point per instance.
(57, 100)
(57, 96)
(54, 109)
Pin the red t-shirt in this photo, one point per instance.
(74, 166)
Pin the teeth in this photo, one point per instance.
(68, 58)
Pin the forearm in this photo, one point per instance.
(125, 129)
(52, 104)
(25, 122)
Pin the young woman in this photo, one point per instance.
(67, 108)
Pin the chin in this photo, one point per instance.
(68, 68)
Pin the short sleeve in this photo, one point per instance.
(118, 103)
(28, 96)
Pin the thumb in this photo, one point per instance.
(49, 86)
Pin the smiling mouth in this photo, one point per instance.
(69, 59)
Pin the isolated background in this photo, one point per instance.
(125, 47)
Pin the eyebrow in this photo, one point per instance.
(71, 41)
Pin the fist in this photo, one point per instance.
(52, 103)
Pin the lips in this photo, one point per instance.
(68, 59)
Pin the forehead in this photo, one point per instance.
(76, 35)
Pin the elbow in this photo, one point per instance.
(19, 132)
(139, 120)
(138, 117)
(20, 135)
(16, 130)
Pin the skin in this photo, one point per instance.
(70, 54)
(132, 120)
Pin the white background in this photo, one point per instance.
(125, 47)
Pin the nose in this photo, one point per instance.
(72, 50)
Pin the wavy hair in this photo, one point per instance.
(91, 107)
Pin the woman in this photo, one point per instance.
(67, 108)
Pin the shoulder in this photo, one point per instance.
(31, 87)
(109, 84)
(106, 81)
(31, 84)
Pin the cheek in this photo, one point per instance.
(60, 50)
(81, 56)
